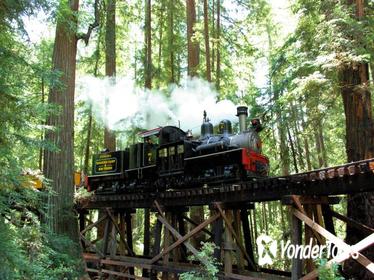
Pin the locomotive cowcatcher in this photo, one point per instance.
(169, 158)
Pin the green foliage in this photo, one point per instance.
(207, 271)
(328, 273)
(81, 195)
(32, 252)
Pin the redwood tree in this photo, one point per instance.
(110, 62)
(192, 46)
(147, 84)
(359, 145)
(148, 45)
(197, 212)
(59, 165)
(206, 37)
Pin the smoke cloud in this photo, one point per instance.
(122, 105)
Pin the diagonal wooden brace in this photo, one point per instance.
(185, 237)
(177, 235)
(230, 228)
(347, 248)
(298, 204)
(94, 224)
(91, 245)
(353, 223)
(363, 244)
(119, 232)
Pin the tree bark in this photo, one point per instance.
(147, 84)
(42, 133)
(292, 149)
(359, 145)
(161, 26)
(59, 165)
(192, 45)
(171, 41)
(197, 212)
(218, 33)
(88, 142)
(306, 142)
(206, 37)
(148, 44)
(110, 63)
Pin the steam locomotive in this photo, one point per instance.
(170, 158)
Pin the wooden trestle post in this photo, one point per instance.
(247, 237)
(182, 231)
(296, 271)
(327, 217)
(167, 241)
(309, 264)
(146, 240)
(106, 236)
(129, 235)
(156, 246)
(217, 232)
(228, 243)
(238, 230)
(82, 225)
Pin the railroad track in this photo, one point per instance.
(348, 178)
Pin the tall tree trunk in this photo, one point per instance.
(283, 148)
(160, 37)
(297, 144)
(280, 127)
(292, 149)
(42, 133)
(359, 145)
(206, 37)
(170, 12)
(192, 45)
(90, 117)
(296, 117)
(307, 150)
(59, 165)
(197, 212)
(322, 143)
(148, 44)
(213, 28)
(110, 63)
(171, 41)
(218, 33)
(147, 84)
(88, 142)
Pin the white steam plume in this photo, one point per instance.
(128, 105)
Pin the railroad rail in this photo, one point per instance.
(348, 178)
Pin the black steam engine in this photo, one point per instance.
(169, 158)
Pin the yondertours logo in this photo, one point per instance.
(269, 250)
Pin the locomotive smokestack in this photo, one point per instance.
(242, 113)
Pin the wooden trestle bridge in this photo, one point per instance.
(309, 196)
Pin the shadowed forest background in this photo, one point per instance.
(305, 68)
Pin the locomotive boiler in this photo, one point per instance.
(170, 158)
